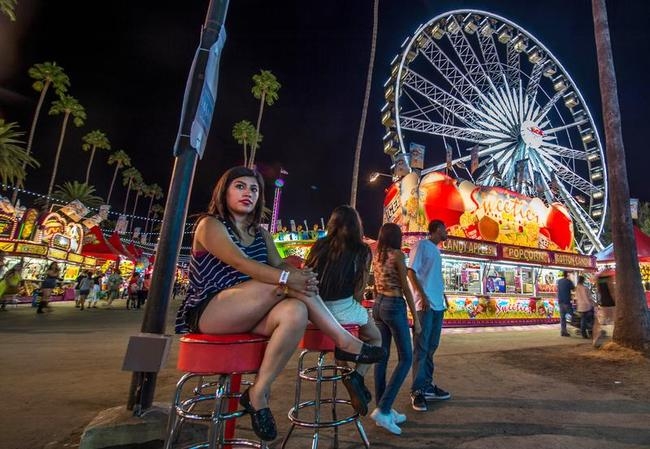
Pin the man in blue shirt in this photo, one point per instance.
(425, 275)
(564, 288)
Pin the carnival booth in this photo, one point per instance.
(606, 262)
(504, 251)
(39, 239)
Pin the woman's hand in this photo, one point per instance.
(304, 281)
(416, 327)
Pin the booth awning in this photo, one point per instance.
(642, 248)
(115, 241)
(95, 245)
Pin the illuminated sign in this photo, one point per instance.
(30, 248)
(52, 224)
(57, 254)
(469, 247)
(60, 241)
(573, 260)
(72, 257)
(7, 226)
(90, 261)
(526, 254)
(7, 246)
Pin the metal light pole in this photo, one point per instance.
(196, 116)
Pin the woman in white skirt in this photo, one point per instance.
(342, 261)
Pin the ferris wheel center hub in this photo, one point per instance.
(531, 134)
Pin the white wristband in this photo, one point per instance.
(284, 278)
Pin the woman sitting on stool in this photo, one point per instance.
(238, 283)
(342, 261)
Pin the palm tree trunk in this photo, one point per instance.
(632, 322)
(146, 223)
(251, 161)
(364, 110)
(110, 191)
(126, 200)
(90, 162)
(56, 159)
(135, 205)
(32, 131)
(245, 155)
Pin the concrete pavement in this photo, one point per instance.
(60, 370)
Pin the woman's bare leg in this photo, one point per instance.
(285, 324)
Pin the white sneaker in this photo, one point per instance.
(398, 418)
(385, 420)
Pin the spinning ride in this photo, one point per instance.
(495, 106)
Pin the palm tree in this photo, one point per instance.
(68, 106)
(93, 141)
(632, 328)
(364, 110)
(76, 190)
(13, 156)
(244, 133)
(157, 210)
(154, 191)
(45, 75)
(120, 159)
(8, 7)
(139, 188)
(130, 176)
(265, 88)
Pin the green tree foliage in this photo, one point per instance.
(93, 141)
(13, 156)
(69, 107)
(76, 190)
(265, 88)
(244, 133)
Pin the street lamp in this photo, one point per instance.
(375, 175)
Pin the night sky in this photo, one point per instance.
(128, 63)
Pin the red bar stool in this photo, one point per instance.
(316, 341)
(224, 358)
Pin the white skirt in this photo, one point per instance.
(348, 311)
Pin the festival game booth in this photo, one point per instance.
(606, 263)
(39, 239)
(504, 252)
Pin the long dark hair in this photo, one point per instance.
(218, 204)
(342, 250)
(390, 237)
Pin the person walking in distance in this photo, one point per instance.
(49, 283)
(114, 283)
(389, 311)
(564, 288)
(425, 275)
(585, 306)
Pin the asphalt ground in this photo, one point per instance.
(59, 370)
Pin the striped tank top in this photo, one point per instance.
(208, 275)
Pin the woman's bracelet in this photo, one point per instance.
(282, 282)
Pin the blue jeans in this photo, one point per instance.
(390, 315)
(564, 310)
(424, 346)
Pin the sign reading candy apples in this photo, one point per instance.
(491, 214)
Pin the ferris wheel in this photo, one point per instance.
(492, 104)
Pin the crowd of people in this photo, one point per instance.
(239, 283)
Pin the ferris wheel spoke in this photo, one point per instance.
(533, 82)
(440, 98)
(548, 106)
(492, 63)
(454, 77)
(466, 54)
(512, 70)
(559, 150)
(569, 177)
(565, 127)
(449, 131)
